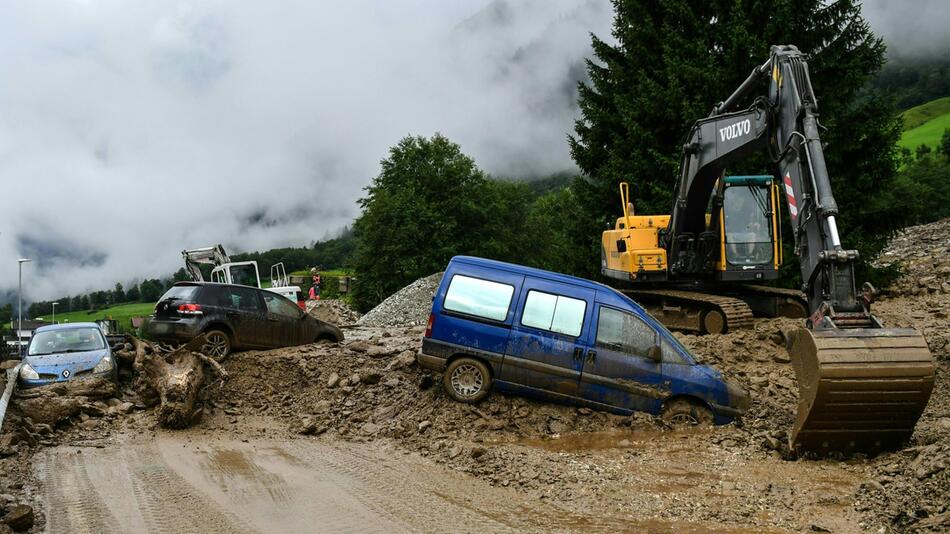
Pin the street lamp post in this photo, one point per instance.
(54, 312)
(19, 296)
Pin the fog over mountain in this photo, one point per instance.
(132, 130)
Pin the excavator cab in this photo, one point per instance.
(748, 229)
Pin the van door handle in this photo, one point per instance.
(578, 353)
(591, 356)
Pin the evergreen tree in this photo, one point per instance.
(118, 294)
(675, 59)
(132, 295)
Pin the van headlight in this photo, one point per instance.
(27, 372)
(104, 365)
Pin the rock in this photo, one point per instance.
(478, 452)
(50, 409)
(358, 346)
(322, 406)
(371, 377)
(818, 528)
(125, 407)
(380, 351)
(307, 427)
(354, 379)
(20, 518)
(454, 452)
(370, 429)
(781, 357)
(391, 383)
(424, 425)
(557, 427)
(773, 443)
(584, 411)
(333, 380)
(405, 359)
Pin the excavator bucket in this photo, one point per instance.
(860, 390)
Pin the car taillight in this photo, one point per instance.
(302, 304)
(189, 309)
(429, 325)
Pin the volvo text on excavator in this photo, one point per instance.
(862, 387)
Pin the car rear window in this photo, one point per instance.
(481, 298)
(180, 293)
(555, 313)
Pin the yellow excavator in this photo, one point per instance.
(862, 387)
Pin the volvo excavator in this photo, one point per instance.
(862, 387)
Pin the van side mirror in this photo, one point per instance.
(655, 353)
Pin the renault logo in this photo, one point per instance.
(65, 373)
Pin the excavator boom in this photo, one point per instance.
(862, 386)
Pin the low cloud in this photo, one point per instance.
(130, 131)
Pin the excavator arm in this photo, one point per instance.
(861, 386)
(206, 255)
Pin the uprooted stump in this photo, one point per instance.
(171, 378)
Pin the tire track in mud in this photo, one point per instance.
(73, 504)
(168, 502)
(310, 502)
(398, 495)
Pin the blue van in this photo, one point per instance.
(525, 331)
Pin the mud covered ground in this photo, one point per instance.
(359, 429)
(594, 468)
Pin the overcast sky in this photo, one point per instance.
(132, 130)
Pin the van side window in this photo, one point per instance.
(624, 332)
(481, 298)
(556, 313)
(670, 355)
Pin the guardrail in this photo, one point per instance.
(8, 391)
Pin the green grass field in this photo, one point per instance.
(918, 115)
(925, 124)
(929, 133)
(121, 313)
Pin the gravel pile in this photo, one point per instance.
(333, 311)
(410, 306)
(923, 254)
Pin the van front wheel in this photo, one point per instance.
(467, 380)
(680, 413)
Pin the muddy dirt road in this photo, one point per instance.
(175, 484)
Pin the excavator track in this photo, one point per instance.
(694, 311)
(773, 301)
(860, 390)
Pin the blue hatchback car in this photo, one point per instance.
(62, 352)
(504, 327)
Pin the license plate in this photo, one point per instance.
(161, 328)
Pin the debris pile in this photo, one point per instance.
(173, 379)
(372, 387)
(333, 311)
(923, 254)
(757, 359)
(410, 306)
